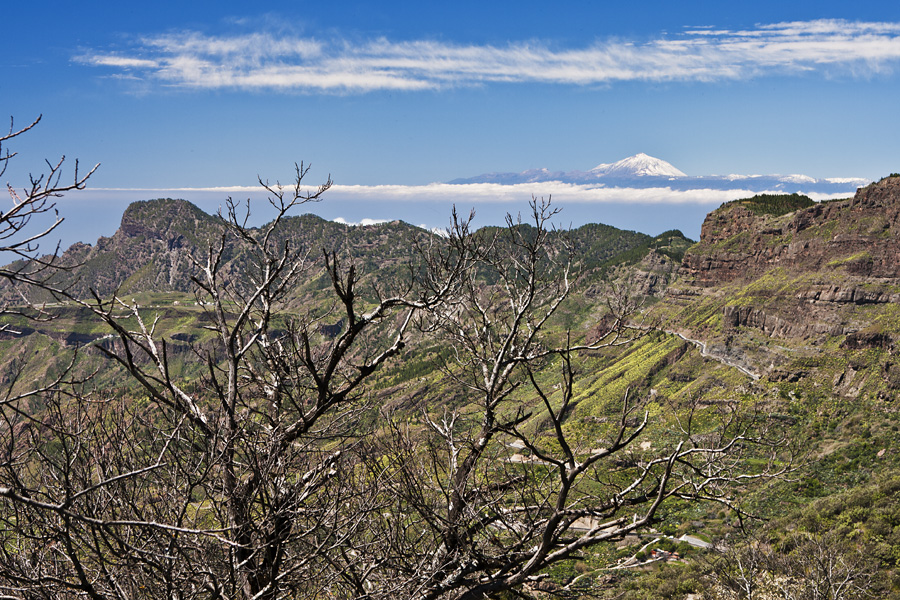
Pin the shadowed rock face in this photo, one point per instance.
(828, 271)
(778, 325)
(858, 237)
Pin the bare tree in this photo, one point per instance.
(232, 489)
(811, 566)
(23, 227)
(19, 238)
(822, 566)
(739, 571)
(265, 481)
(463, 512)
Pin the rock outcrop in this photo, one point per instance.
(858, 236)
(822, 275)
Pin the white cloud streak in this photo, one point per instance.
(262, 61)
(122, 62)
(361, 222)
(477, 193)
(474, 193)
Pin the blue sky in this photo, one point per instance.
(207, 95)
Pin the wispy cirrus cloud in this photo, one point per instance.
(124, 62)
(264, 61)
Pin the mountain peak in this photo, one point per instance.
(639, 165)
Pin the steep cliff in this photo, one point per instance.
(783, 290)
(855, 237)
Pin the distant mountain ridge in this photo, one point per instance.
(644, 171)
(158, 240)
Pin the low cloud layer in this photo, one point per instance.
(477, 193)
(360, 223)
(97, 212)
(263, 61)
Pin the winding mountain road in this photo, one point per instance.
(714, 356)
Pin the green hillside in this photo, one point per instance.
(780, 326)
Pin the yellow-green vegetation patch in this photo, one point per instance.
(631, 369)
(884, 318)
(824, 231)
(701, 313)
(141, 277)
(853, 258)
(735, 243)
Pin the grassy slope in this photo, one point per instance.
(836, 401)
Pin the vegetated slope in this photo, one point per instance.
(826, 276)
(809, 300)
(150, 259)
(806, 297)
(158, 241)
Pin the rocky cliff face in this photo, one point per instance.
(858, 237)
(818, 277)
(652, 275)
(804, 271)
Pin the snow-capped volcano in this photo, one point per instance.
(639, 165)
(642, 171)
